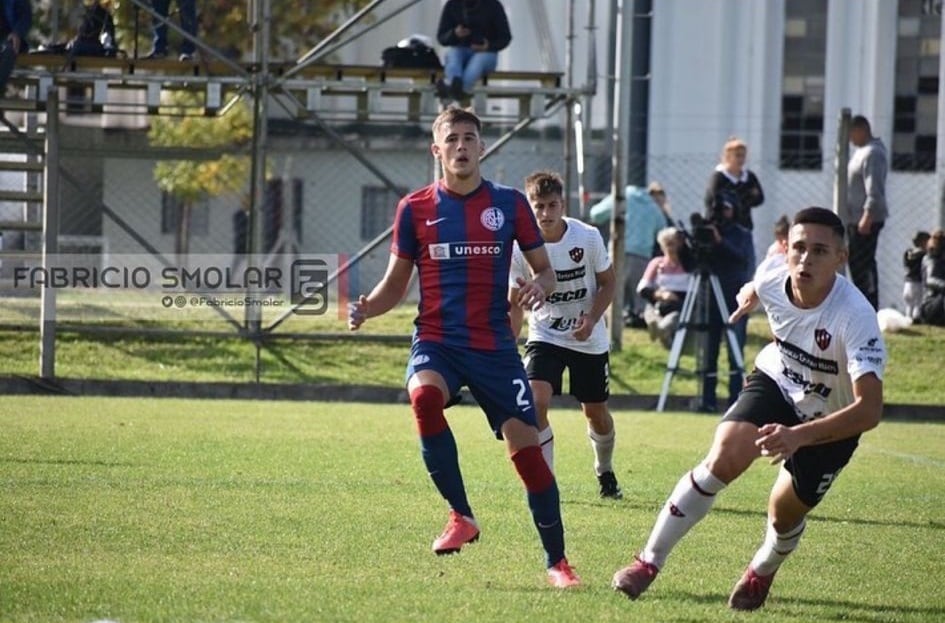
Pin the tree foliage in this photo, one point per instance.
(189, 180)
(296, 25)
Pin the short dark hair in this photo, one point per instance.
(455, 114)
(820, 216)
(541, 183)
(861, 122)
(782, 226)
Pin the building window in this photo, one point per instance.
(170, 214)
(802, 84)
(378, 206)
(915, 103)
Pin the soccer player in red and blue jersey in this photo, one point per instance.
(458, 232)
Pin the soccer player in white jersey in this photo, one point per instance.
(568, 330)
(814, 390)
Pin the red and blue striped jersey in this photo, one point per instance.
(462, 247)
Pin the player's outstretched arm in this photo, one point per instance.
(385, 296)
(747, 300)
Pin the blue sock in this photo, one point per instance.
(546, 512)
(442, 461)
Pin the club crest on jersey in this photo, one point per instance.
(822, 337)
(577, 254)
(492, 219)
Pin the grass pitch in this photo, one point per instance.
(172, 510)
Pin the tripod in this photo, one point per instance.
(697, 299)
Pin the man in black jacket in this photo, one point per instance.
(474, 31)
(16, 18)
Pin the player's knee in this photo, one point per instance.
(598, 414)
(427, 404)
(532, 469)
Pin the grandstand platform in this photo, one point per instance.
(337, 92)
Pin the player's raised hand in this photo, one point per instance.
(530, 294)
(747, 300)
(357, 313)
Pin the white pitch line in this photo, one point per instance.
(913, 458)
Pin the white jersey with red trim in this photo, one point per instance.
(576, 260)
(817, 353)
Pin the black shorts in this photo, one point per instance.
(589, 375)
(813, 468)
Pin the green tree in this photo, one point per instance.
(296, 26)
(188, 180)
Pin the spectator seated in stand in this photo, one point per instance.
(475, 31)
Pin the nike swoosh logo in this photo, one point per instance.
(435, 221)
(551, 525)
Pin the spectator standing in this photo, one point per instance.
(475, 31)
(866, 206)
(732, 176)
(729, 261)
(912, 287)
(658, 193)
(664, 285)
(188, 23)
(644, 220)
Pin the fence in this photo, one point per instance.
(324, 207)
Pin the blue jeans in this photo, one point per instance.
(468, 65)
(188, 23)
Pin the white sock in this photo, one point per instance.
(546, 439)
(689, 502)
(603, 446)
(776, 548)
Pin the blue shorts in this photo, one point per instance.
(496, 379)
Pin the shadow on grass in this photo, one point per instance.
(797, 607)
(857, 611)
(761, 514)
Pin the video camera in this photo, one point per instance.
(699, 242)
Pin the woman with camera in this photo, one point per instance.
(733, 177)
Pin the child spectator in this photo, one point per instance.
(912, 288)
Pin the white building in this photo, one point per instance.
(776, 73)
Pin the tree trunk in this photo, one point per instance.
(182, 241)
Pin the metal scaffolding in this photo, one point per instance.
(302, 89)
